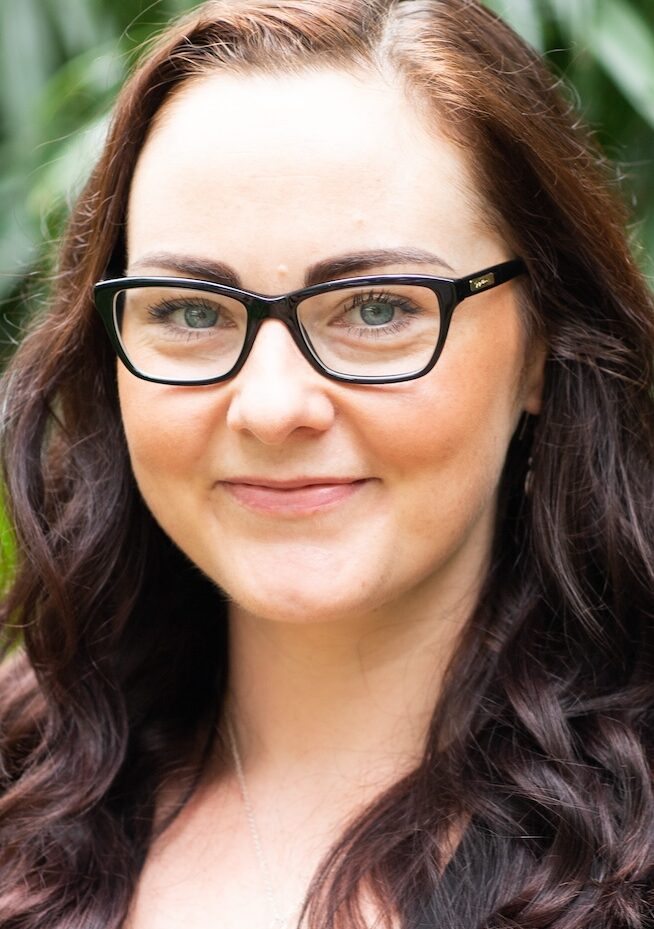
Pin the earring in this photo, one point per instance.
(525, 423)
(522, 427)
(529, 478)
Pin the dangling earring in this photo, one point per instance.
(522, 431)
(522, 428)
(529, 478)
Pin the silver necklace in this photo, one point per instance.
(279, 921)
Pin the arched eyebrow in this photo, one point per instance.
(327, 269)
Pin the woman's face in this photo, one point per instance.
(303, 498)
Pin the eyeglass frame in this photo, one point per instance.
(449, 292)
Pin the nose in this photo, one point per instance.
(277, 392)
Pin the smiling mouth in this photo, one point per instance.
(292, 497)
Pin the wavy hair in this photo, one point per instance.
(114, 667)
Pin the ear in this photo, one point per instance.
(534, 377)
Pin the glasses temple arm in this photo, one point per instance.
(489, 278)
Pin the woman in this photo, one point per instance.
(341, 599)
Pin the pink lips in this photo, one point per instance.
(291, 497)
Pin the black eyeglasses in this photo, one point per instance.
(377, 329)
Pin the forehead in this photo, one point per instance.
(262, 170)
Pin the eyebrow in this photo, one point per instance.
(326, 270)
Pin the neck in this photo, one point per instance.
(349, 700)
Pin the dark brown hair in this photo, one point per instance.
(115, 661)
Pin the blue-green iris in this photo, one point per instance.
(377, 314)
(200, 317)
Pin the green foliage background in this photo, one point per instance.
(62, 62)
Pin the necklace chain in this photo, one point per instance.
(279, 921)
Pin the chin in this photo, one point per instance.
(302, 582)
(296, 607)
(301, 603)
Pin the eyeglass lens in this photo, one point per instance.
(181, 334)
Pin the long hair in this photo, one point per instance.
(115, 645)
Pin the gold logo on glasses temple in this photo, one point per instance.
(478, 283)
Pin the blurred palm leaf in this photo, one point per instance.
(619, 39)
(61, 64)
(604, 51)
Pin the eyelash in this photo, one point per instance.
(167, 307)
(376, 332)
(162, 311)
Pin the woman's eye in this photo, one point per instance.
(377, 309)
(189, 314)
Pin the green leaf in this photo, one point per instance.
(80, 89)
(79, 24)
(18, 236)
(61, 178)
(620, 39)
(623, 43)
(525, 16)
(27, 55)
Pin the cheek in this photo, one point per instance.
(447, 434)
(167, 431)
